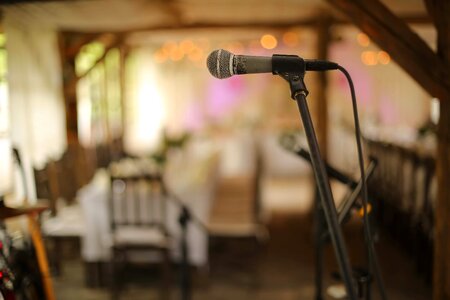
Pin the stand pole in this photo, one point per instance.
(319, 226)
(299, 93)
(326, 197)
(185, 279)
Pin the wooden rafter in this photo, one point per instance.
(76, 42)
(116, 42)
(393, 35)
(282, 24)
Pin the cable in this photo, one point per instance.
(371, 249)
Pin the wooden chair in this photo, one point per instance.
(235, 227)
(403, 188)
(137, 214)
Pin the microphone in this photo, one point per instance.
(223, 64)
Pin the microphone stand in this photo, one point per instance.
(299, 93)
(321, 236)
(184, 219)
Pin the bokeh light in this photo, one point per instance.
(369, 58)
(268, 41)
(187, 46)
(363, 39)
(160, 56)
(290, 39)
(383, 57)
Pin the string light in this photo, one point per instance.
(187, 46)
(383, 57)
(268, 41)
(176, 54)
(290, 39)
(369, 58)
(363, 39)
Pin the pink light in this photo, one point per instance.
(194, 118)
(388, 112)
(224, 95)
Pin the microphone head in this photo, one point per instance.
(220, 63)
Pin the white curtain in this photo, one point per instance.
(35, 94)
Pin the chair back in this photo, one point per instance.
(138, 201)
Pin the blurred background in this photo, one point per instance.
(110, 104)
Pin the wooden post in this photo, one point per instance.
(441, 273)
(440, 10)
(69, 91)
(123, 85)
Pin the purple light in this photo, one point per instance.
(224, 95)
(388, 112)
(194, 118)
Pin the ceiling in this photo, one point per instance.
(129, 15)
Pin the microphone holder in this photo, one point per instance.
(299, 93)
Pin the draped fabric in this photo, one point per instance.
(37, 118)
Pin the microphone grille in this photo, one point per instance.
(220, 63)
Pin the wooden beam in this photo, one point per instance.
(440, 12)
(404, 46)
(77, 41)
(306, 22)
(116, 43)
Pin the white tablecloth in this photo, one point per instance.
(197, 195)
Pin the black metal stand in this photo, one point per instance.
(299, 93)
(185, 274)
(321, 236)
(184, 219)
(364, 277)
(319, 225)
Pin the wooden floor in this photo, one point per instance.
(283, 269)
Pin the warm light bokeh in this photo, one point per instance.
(363, 40)
(268, 41)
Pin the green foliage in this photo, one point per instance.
(167, 143)
(87, 57)
(3, 58)
(3, 65)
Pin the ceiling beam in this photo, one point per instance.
(116, 42)
(393, 35)
(74, 42)
(306, 22)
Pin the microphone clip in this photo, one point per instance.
(291, 68)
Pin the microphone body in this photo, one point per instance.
(223, 64)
